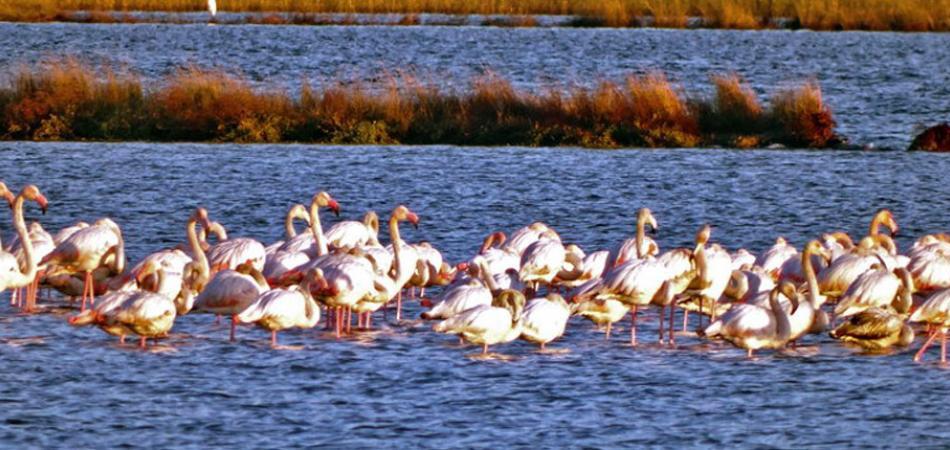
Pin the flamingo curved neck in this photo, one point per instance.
(317, 229)
(905, 300)
(641, 234)
(397, 246)
(487, 276)
(783, 328)
(289, 229)
(25, 242)
(809, 271)
(198, 252)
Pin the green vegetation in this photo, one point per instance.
(71, 101)
(900, 15)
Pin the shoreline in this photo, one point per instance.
(888, 15)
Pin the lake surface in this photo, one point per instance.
(405, 386)
(880, 85)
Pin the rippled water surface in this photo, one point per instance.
(880, 85)
(405, 386)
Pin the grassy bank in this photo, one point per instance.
(901, 15)
(71, 101)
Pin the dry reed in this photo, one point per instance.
(901, 15)
(68, 100)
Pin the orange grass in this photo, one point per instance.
(901, 15)
(68, 100)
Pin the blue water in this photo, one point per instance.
(404, 386)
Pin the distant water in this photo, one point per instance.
(880, 85)
(407, 387)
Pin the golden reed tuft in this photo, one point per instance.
(65, 99)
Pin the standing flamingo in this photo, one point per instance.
(99, 247)
(230, 292)
(544, 319)
(142, 312)
(753, 327)
(488, 325)
(281, 309)
(11, 275)
(935, 312)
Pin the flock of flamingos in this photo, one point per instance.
(876, 295)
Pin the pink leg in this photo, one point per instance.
(920, 353)
(369, 321)
(349, 320)
(685, 319)
(122, 339)
(92, 289)
(273, 338)
(943, 346)
(662, 316)
(142, 342)
(484, 349)
(672, 339)
(422, 293)
(339, 321)
(633, 326)
(607, 334)
(398, 306)
(749, 353)
(234, 321)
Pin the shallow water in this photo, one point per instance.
(880, 85)
(405, 386)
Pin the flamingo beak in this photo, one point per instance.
(335, 207)
(41, 200)
(462, 266)
(413, 219)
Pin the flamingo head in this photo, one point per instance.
(815, 248)
(201, 216)
(645, 216)
(5, 192)
(31, 192)
(324, 200)
(402, 212)
(886, 217)
(702, 237)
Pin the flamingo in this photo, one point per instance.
(281, 309)
(520, 240)
(875, 329)
(404, 256)
(883, 217)
(544, 319)
(580, 268)
(837, 243)
(880, 288)
(350, 233)
(930, 264)
(808, 316)
(431, 270)
(835, 279)
(640, 246)
(196, 273)
(145, 313)
(773, 259)
(235, 251)
(500, 258)
(65, 233)
(296, 212)
(11, 274)
(742, 259)
(541, 261)
(488, 325)
(42, 246)
(745, 285)
(935, 312)
(97, 248)
(458, 298)
(753, 327)
(346, 280)
(230, 292)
